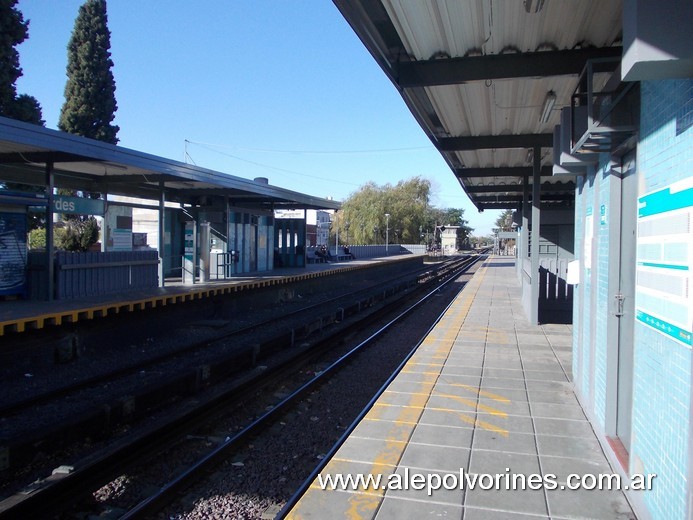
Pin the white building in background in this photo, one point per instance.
(448, 239)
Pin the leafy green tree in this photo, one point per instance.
(13, 31)
(505, 221)
(78, 235)
(364, 212)
(90, 103)
(37, 238)
(411, 220)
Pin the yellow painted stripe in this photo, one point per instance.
(482, 393)
(476, 405)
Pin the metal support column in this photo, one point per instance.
(534, 259)
(523, 246)
(50, 249)
(162, 231)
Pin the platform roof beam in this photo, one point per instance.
(452, 71)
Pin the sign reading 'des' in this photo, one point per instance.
(78, 205)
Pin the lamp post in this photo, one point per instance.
(387, 233)
(336, 237)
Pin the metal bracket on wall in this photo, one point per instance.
(619, 305)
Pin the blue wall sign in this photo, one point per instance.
(78, 205)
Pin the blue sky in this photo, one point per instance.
(258, 88)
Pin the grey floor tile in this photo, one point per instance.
(365, 450)
(395, 413)
(487, 405)
(435, 458)
(575, 447)
(400, 385)
(396, 508)
(513, 443)
(506, 373)
(506, 496)
(562, 467)
(426, 486)
(500, 361)
(460, 437)
(473, 513)
(546, 375)
(450, 375)
(508, 425)
(601, 505)
(502, 462)
(369, 429)
(441, 401)
(550, 364)
(509, 394)
(558, 411)
(513, 501)
(564, 427)
(500, 382)
(566, 396)
(401, 398)
(444, 417)
(463, 369)
(548, 386)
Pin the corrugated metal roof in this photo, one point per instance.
(91, 165)
(402, 34)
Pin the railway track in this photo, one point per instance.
(81, 481)
(138, 388)
(285, 321)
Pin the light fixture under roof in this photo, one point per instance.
(547, 107)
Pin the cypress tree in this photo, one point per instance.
(90, 102)
(13, 31)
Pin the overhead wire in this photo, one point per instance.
(316, 152)
(271, 167)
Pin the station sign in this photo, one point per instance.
(78, 205)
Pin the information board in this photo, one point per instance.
(663, 285)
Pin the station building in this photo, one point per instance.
(577, 114)
(203, 223)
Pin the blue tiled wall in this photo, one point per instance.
(591, 310)
(601, 306)
(579, 361)
(662, 366)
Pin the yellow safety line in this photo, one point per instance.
(20, 324)
(442, 340)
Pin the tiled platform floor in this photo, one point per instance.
(486, 393)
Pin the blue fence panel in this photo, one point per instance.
(79, 275)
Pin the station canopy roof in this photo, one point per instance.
(92, 166)
(478, 74)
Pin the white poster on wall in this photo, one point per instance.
(589, 238)
(664, 282)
